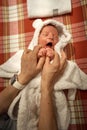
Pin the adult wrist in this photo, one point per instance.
(46, 88)
(46, 83)
(15, 82)
(21, 79)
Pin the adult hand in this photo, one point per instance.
(30, 65)
(52, 70)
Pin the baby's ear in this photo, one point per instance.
(37, 23)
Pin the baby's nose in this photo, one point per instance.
(51, 35)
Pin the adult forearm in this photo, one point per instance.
(47, 119)
(10, 92)
(6, 97)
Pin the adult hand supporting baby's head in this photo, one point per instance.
(30, 65)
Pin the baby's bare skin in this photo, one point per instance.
(48, 38)
(46, 51)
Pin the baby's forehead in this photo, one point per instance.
(46, 28)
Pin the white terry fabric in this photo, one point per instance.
(11, 66)
(28, 100)
(48, 8)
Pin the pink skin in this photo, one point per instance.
(46, 52)
(49, 34)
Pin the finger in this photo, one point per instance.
(47, 61)
(56, 59)
(40, 63)
(36, 49)
(63, 59)
(27, 51)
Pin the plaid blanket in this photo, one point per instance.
(16, 32)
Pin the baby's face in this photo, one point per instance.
(48, 39)
(48, 36)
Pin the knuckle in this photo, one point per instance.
(65, 56)
(35, 47)
(38, 69)
(57, 66)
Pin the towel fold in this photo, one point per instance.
(48, 8)
(11, 66)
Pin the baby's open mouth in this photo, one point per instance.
(49, 44)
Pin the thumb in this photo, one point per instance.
(47, 61)
(41, 63)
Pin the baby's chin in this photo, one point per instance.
(46, 51)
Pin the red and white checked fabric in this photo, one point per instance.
(16, 32)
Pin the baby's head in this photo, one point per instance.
(51, 34)
(48, 38)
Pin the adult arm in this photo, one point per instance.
(47, 119)
(30, 67)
